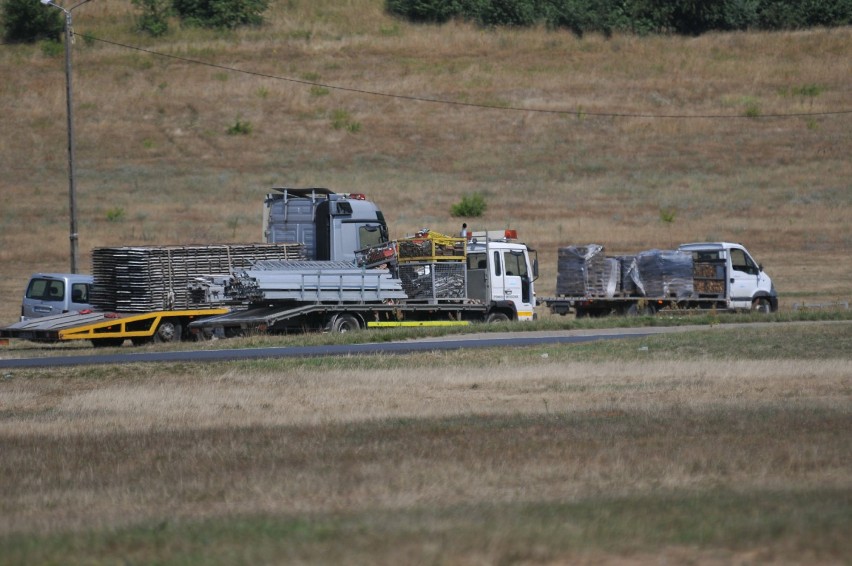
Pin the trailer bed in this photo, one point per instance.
(99, 326)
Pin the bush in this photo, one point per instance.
(155, 16)
(435, 11)
(240, 128)
(28, 21)
(227, 14)
(471, 206)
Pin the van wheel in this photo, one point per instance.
(497, 317)
(345, 323)
(168, 331)
(761, 305)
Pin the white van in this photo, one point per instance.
(56, 293)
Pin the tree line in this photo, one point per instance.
(689, 17)
(30, 21)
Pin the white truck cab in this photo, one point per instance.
(500, 272)
(747, 286)
(50, 294)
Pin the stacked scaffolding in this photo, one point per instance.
(145, 279)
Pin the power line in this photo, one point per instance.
(575, 112)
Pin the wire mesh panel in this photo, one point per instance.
(433, 281)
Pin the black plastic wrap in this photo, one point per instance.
(584, 271)
(664, 273)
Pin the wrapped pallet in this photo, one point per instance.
(665, 273)
(584, 271)
(631, 284)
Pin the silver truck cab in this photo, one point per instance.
(50, 294)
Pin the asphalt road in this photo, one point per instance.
(453, 342)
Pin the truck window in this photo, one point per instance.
(515, 264)
(369, 236)
(741, 262)
(46, 290)
(80, 293)
(497, 270)
(477, 261)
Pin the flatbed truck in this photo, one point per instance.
(718, 276)
(490, 280)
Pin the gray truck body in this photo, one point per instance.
(331, 226)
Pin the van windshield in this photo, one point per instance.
(46, 290)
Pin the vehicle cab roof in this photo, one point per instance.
(708, 246)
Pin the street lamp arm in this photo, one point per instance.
(77, 5)
(66, 10)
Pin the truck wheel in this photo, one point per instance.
(345, 323)
(761, 305)
(168, 331)
(497, 317)
(636, 310)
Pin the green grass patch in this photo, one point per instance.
(778, 525)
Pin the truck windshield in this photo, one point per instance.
(515, 264)
(46, 290)
(370, 236)
(741, 262)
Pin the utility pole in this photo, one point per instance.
(72, 177)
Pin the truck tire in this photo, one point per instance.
(169, 330)
(636, 310)
(345, 323)
(761, 305)
(497, 316)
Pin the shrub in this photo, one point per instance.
(154, 19)
(470, 206)
(342, 120)
(437, 11)
(28, 21)
(115, 214)
(227, 14)
(52, 48)
(240, 128)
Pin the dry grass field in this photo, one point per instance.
(727, 446)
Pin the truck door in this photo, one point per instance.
(744, 278)
(516, 282)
